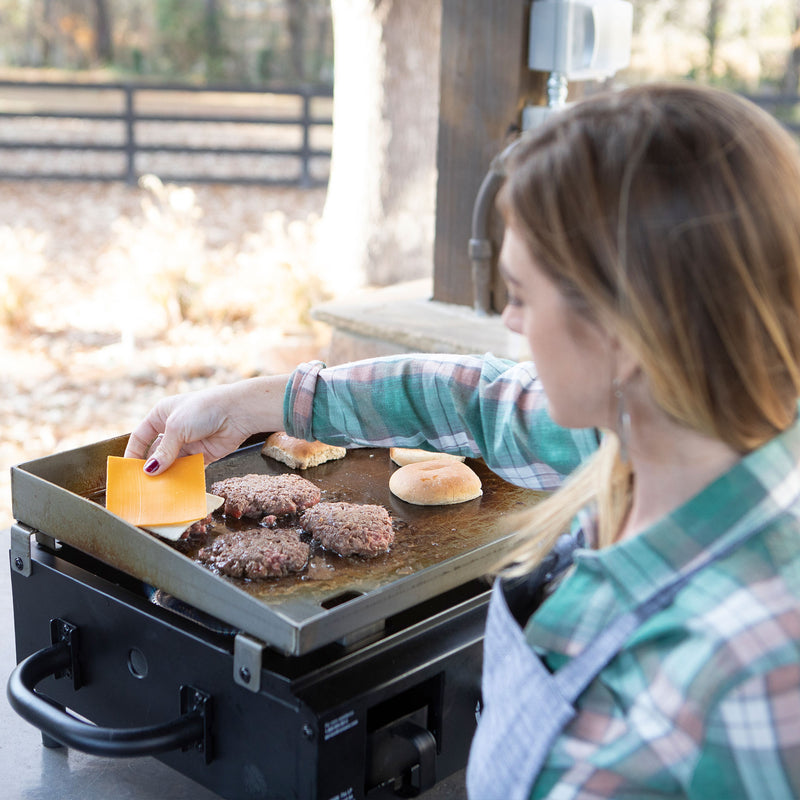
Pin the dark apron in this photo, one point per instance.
(526, 707)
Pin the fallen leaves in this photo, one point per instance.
(88, 344)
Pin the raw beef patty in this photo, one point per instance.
(258, 495)
(349, 528)
(257, 553)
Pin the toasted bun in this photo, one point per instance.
(298, 453)
(435, 483)
(407, 455)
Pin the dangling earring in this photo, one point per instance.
(623, 427)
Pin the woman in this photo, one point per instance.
(652, 256)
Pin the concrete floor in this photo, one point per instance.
(29, 771)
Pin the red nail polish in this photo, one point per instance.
(151, 466)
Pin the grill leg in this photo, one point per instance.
(49, 741)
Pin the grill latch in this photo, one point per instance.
(248, 653)
(21, 549)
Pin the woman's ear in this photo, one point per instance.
(626, 361)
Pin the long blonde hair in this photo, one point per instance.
(671, 214)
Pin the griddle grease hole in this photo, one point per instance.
(341, 599)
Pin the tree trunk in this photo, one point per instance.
(213, 37)
(378, 222)
(716, 9)
(298, 25)
(791, 78)
(46, 32)
(104, 48)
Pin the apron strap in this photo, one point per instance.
(527, 707)
(580, 671)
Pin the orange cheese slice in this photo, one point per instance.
(177, 495)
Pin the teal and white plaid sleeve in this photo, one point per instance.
(479, 406)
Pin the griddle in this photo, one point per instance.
(359, 679)
(335, 599)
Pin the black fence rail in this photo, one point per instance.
(181, 133)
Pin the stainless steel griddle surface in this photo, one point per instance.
(436, 548)
(424, 536)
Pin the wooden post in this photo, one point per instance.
(484, 84)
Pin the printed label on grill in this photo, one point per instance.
(345, 794)
(339, 725)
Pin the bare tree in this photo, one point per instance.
(716, 11)
(104, 48)
(213, 39)
(44, 28)
(298, 28)
(791, 77)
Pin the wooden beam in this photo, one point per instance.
(483, 86)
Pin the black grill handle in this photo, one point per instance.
(191, 729)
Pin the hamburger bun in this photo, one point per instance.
(409, 455)
(298, 453)
(435, 483)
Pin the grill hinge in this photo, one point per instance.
(21, 549)
(63, 631)
(248, 653)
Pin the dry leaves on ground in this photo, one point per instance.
(114, 296)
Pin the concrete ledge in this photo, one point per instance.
(403, 319)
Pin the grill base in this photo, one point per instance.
(395, 715)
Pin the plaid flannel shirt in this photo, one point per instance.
(477, 406)
(704, 700)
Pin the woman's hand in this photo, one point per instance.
(213, 422)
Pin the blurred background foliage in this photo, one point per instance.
(742, 44)
(251, 42)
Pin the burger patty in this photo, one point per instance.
(257, 495)
(257, 553)
(350, 529)
(194, 535)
